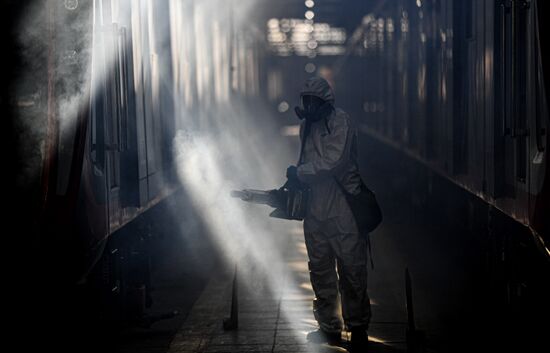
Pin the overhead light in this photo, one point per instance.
(273, 23)
(310, 68)
(310, 3)
(310, 14)
(303, 37)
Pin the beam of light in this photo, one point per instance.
(47, 62)
(236, 144)
(224, 140)
(70, 53)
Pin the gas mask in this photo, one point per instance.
(313, 108)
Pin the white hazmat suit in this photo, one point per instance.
(332, 239)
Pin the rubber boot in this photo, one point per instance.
(359, 340)
(320, 336)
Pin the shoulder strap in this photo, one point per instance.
(307, 128)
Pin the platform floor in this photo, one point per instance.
(275, 317)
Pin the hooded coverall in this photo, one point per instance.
(331, 235)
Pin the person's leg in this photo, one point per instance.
(322, 272)
(351, 253)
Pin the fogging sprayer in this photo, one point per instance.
(290, 201)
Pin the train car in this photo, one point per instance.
(104, 88)
(461, 88)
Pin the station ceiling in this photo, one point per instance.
(338, 13)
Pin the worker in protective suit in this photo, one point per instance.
(328, 158)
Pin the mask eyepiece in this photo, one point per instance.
(311, 104)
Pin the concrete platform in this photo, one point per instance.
(276, 314)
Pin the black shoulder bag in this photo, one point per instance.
(364, 206)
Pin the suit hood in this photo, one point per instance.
(319, 87)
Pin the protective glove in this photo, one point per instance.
(292, 174)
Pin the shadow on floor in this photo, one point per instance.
(374, 347)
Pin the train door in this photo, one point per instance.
(166, 104)
(106, 142)
(147, 69)
(114, 130)
(144, 65)
(538, 183)
(431, 10)
(113, 126)
(462, 34)
(445, 90)
(474, 94)
(541, 175)
(153, 122)
(418, 66)
(107, 89)
(439, 82)
(183, 66)
(400, 28)
(512, 99)
(129, 174)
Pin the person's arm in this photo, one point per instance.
(336, 152)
